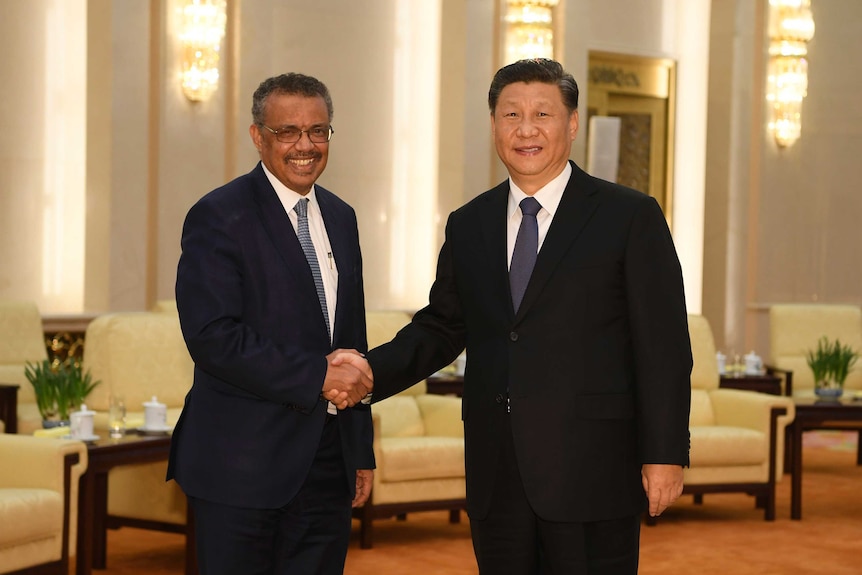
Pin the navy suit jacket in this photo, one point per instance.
(596, 363)
(253, 325)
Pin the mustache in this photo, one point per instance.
(308, 156)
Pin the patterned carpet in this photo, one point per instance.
(724, 535)
(833, 440)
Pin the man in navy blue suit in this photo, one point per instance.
(273, 445)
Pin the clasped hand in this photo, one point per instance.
(348, 378)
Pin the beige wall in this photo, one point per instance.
(780, 225)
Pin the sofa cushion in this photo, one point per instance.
(719, 445)
(399, 417)
(701, 408)
(441, 415)
(29, 515)
(138, 355)
(410, 458)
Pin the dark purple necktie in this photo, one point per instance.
(526, 248)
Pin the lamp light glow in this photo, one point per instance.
(201, 32)
(529, 29)
(791, 27)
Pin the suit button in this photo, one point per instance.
(513, 336)
(499, 398)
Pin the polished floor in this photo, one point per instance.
(725, 535)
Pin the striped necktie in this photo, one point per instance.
(301, 209)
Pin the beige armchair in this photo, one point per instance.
(21, 340)
(138, 355)
(39, 503)
(794, 329)
(418, 446)
(736, 436)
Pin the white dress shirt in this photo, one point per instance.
(317, 230)
(548, 197)
(320, 239)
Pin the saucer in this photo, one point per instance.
(160, 429)
(85, 438)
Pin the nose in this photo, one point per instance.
(526, 127)
(304, 143)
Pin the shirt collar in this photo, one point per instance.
(287, 196)
(548, 196)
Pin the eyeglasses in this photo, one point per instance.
(292, 134)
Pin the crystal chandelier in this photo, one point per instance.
(791, 27)
(529, 29)
(201, 31)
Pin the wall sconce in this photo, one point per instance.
(529, 29)
(202, 27)
(791, 26)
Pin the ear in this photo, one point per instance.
(256, 137)
(573, 125)
(493, 125)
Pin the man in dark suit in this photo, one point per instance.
(268, 285)
(576, 391)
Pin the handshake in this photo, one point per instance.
(349, 378)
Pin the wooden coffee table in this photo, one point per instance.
(844, 414)
(765, 383)
(103, 455)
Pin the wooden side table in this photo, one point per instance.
(104, 454)
(9, 406)
(761, 383)
(446, 384)
(842, 414)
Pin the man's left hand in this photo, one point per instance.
(663, 485)
(364, 479)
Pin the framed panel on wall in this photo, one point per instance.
(639, 92)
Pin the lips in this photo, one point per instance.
(301, 162)
(528, 149)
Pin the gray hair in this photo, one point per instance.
(291, 83)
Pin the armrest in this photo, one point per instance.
(36, 462)
(786, 373)
(441, 415)
(9, 406)
(750, 409)
(764, 412)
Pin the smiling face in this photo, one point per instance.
(296, 165)
(533, 133)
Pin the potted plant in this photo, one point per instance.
(60, 387)
(830, 364)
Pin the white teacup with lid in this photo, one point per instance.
(155, 415)
(81, 423)
(721, 360)
(753, 364)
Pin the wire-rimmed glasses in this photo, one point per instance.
(292, 134)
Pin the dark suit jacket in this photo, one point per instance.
(596, 362)
(252, 321)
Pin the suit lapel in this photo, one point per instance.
(493, 223)
(282, 234)
(577, 205)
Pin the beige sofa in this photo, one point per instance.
(39, 503)
(138, 355)
(418, 446)
(21, 340)
(794, 329)
(736, 436)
